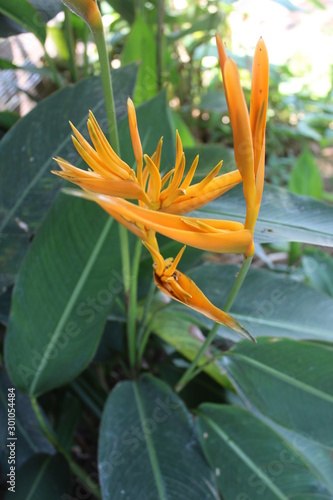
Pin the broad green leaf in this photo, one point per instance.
(250, 460)
(24, 14)
(183, 129)
(126, 8)
(318, 269)
(55, 328)
(141, 46)
(148, 447)
(305, 178)
(209, 156)
(43, 476)
(283, 216)
(26, 159)
(47, 8)
(30, 439)
(266, 305)
(289, 382)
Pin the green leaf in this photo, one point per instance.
(30, 439)
(266, 305)
(75, 258)
(26, 159)
(185, 133)
(141, 46)
(305, 177)
(287, 381)
(318, 269)
(251, 460)
(43, 476)
(283, 216)
(146, 425)
(23, 13)
(126, 8)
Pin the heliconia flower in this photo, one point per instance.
(213, 235)
(180, 287)
(109, 175)
(88, 10)
(248, 129)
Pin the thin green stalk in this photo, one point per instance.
(144, 341)
(107, 88)
(191, 371)
(188, 375)
(114, 141)
(57, 77)
(148, 302)
(70, 44)
(125, 258)
(76, 469)
(160, 24)
(85, 54)
(132, 306)
(238, 283)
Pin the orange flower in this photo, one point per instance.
(180, 287)
(248, 129)
(109, 175)
(213, 235)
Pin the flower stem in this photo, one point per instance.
(56, 75)
(191, 371)
(238, 283)
(143, 323)
(132, 306)
(76, 469)
(107, 88)
(70, 44)
(114, 141)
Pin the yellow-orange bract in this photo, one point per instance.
(110, 175)
(248, 129)
(87, 10)
(180, 287)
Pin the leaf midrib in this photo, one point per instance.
(68, 309)
(281, 376)
(150, 448)
(244, 457)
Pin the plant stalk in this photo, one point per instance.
(132, 306)
(70, 44)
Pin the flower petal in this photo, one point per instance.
(259, 98)
(241, 129)
(181, 288)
